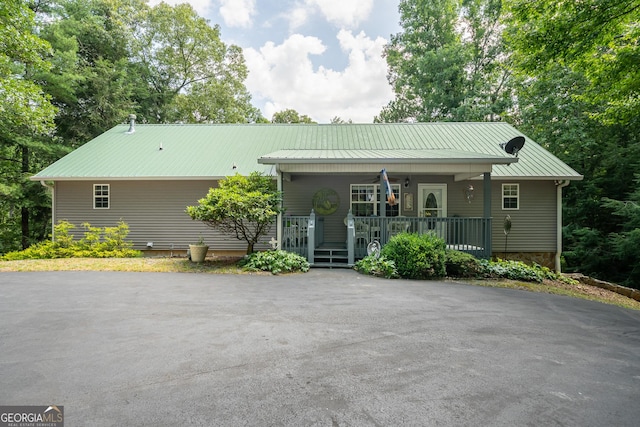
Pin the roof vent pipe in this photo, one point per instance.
(132, 124)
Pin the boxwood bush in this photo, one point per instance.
(416, 256)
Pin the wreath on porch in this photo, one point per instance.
(326, 201)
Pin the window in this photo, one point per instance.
(365, 202)
(101, 196)
(510, 196)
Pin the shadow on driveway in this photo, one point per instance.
(330, 348)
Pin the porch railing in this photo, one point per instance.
(295, 235)
(471, 235)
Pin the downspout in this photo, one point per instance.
(53, 207)
(279, 225)
(559, 186)
(486, 213)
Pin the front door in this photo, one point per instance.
(432, 203)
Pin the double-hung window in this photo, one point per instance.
(101, 196)
(365, 200)
(510, 196)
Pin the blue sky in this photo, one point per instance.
(322, 58)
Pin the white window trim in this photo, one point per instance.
(517, 197)
(108, 196)
(375, 199)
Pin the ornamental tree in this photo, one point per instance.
(243, 206)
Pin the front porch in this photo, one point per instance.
(304, 235)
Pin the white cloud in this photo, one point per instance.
(344, 13)
(238, 13)
(297, 17)
(341, 13)
(282, 76)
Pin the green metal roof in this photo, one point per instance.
(185, 151)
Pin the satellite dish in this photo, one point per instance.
(514, 145)
(373, 248)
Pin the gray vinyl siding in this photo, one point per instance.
(154, 211)
(533, 225)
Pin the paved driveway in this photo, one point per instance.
(327, 348)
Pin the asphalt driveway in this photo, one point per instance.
(326, 348)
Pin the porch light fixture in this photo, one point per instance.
(468, 193)
(406, 182)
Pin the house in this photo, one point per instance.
(452, 179)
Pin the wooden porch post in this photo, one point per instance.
(311, 237)
(351, 234)
(487, 214)
(382, 211)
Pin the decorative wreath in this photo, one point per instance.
(326, 201)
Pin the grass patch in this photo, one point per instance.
(152, 265)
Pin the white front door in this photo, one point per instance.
(432, 203)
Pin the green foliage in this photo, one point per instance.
(190, 74)
(107, 242)
(291, 116)
(611, 253)
(377, 266)
(461, 264)
(275, 262)
(448, 63)
(579, 97)
(514, 270)
(416, 256)
(598, 37)
(517, 270)
(243, 206)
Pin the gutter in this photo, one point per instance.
(53, 205)
(559, 186)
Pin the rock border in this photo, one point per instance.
(622, 290)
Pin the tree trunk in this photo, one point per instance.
(24, 211)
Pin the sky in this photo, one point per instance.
(322, 58)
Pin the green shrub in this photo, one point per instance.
(462, 264)
(416, 256)
(517, 270)
(377, 266)
(275, 262)
(107, 242)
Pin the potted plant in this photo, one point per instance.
(198, 252)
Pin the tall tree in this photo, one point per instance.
(26, 121)
(577, 62)
(448, 63)
(599, 36)
(191, 74)
(291, 116)
(91, 81)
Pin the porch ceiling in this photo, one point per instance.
(441, 161)
(436, 156)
